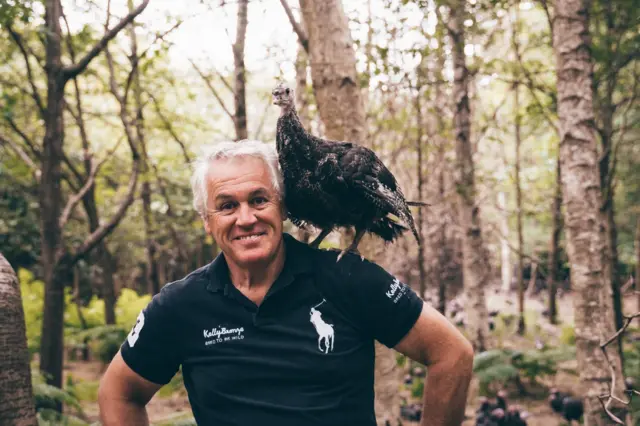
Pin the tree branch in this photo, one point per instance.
(213, 91)
(35, 94)
(169, 127)
(75, 199)
(303, 38)
(75, 69)
(23, 155)
(607, 399)
(92, 240)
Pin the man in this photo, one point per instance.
(273, 332)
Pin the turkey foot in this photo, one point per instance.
(353, 247)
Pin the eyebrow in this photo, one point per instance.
(225, 197)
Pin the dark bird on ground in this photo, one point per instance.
(499, 413)
(572, 409)
(332, 184)
(555, 400)
(569, 407)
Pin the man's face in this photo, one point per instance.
(245, 215)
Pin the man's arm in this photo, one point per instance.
(448, 355)
(123, 395)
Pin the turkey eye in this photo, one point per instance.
(286, 91)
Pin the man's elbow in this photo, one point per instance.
(464, 358)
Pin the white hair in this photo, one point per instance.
(229, 150)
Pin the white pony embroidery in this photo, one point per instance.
(324, 330)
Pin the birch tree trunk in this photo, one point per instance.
(475, 273)
(341, 109)
(16, 394)
(584, 223)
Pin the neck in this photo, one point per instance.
(289, 110)
(257, 276)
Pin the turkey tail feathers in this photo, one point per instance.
(417, 204)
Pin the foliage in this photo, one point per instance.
(568, 335)
(104, 340)
(46, 398)
(499, 366)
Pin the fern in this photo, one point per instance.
(503, 365)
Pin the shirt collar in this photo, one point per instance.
(297, 262)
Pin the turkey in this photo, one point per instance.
(330, 184)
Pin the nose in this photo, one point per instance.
(246, 216)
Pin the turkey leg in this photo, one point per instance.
(315, 243)
(354, 244)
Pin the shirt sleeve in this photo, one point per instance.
(150, 347)
(381, 304)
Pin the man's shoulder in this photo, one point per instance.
(351, 268)
(192, 285)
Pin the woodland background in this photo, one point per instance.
(517, 121)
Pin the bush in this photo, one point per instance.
(500, 366)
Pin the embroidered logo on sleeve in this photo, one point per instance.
(132, 338)
(396, 290)
(324, 330)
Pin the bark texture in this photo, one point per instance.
(584, 222)
(475, 273)
(16, 399)
(240, 97)
(341, 109)
(333, 70)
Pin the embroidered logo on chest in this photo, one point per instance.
(221, 334)
(324, 330)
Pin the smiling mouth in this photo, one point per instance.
(249, 237)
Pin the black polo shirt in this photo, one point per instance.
(305, 356)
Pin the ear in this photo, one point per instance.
(207, 228)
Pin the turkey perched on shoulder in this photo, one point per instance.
(331, 184)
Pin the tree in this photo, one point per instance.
(16, 395)
(474, 272)
(584, 223)
(239, 95)
(56, 261)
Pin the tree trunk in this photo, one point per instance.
(341, 109)
(474, 271)
(606, 112)
(554, 245)
(240, 116)
(519, 269)
(16, 394)
(585, 225)
(637, 246)
(153, 283)
(56, 261)
(302, 102)
(422, 276)
(505, 250)
(333, 70)
(518, 184)
(50, 197)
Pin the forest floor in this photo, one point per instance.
(172, 403)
